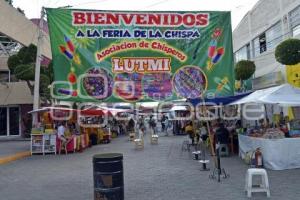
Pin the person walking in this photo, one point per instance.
(163, 123)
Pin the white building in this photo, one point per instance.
(267, 24)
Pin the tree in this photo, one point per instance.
(22, 65)
(13, 61)
(288, 52)
(244, 69)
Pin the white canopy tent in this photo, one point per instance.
(284, 95)
(278, 154)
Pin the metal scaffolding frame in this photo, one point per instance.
(8, 46)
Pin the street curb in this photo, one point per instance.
(17, 156)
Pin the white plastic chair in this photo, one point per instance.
(264, 187)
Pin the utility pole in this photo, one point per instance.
(36, 94)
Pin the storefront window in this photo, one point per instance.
(3, 121)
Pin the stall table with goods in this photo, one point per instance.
(43, 142)
(278, 152)
(97, 135)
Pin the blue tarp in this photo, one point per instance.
(219, 100)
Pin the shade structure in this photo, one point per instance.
(284, 95)
(179, 108)
(88, 112)
(219, 100)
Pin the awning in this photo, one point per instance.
(88, 112)
(284, 95)
(219, 100)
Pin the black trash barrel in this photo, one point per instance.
(108, 176)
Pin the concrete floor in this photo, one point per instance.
(160, 172)
(8, 148)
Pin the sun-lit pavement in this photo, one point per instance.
(160, 172)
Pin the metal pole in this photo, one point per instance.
(36, 93)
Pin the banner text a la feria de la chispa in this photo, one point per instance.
(115, 56)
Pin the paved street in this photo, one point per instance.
(160, 172)
(8, 148)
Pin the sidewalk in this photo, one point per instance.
(13, 150)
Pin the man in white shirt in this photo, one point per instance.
(61, 132)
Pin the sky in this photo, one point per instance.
(238, 8)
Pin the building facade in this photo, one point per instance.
(255, 38)
(16, 98)
(15, 101)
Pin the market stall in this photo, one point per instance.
(44, 138)
(279, 152)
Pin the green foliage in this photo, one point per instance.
(25, 72)
(22, 65)
(13, 61)
(44, 90)
(288, 52)
(244, 69)
(27, 54)
(48, 71)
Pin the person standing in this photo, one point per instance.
(167, 125)
(152, 125)
(222, 134)
(131, 125)
(203, 132)
(141, 125)
(163, 123)
(189, 129)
